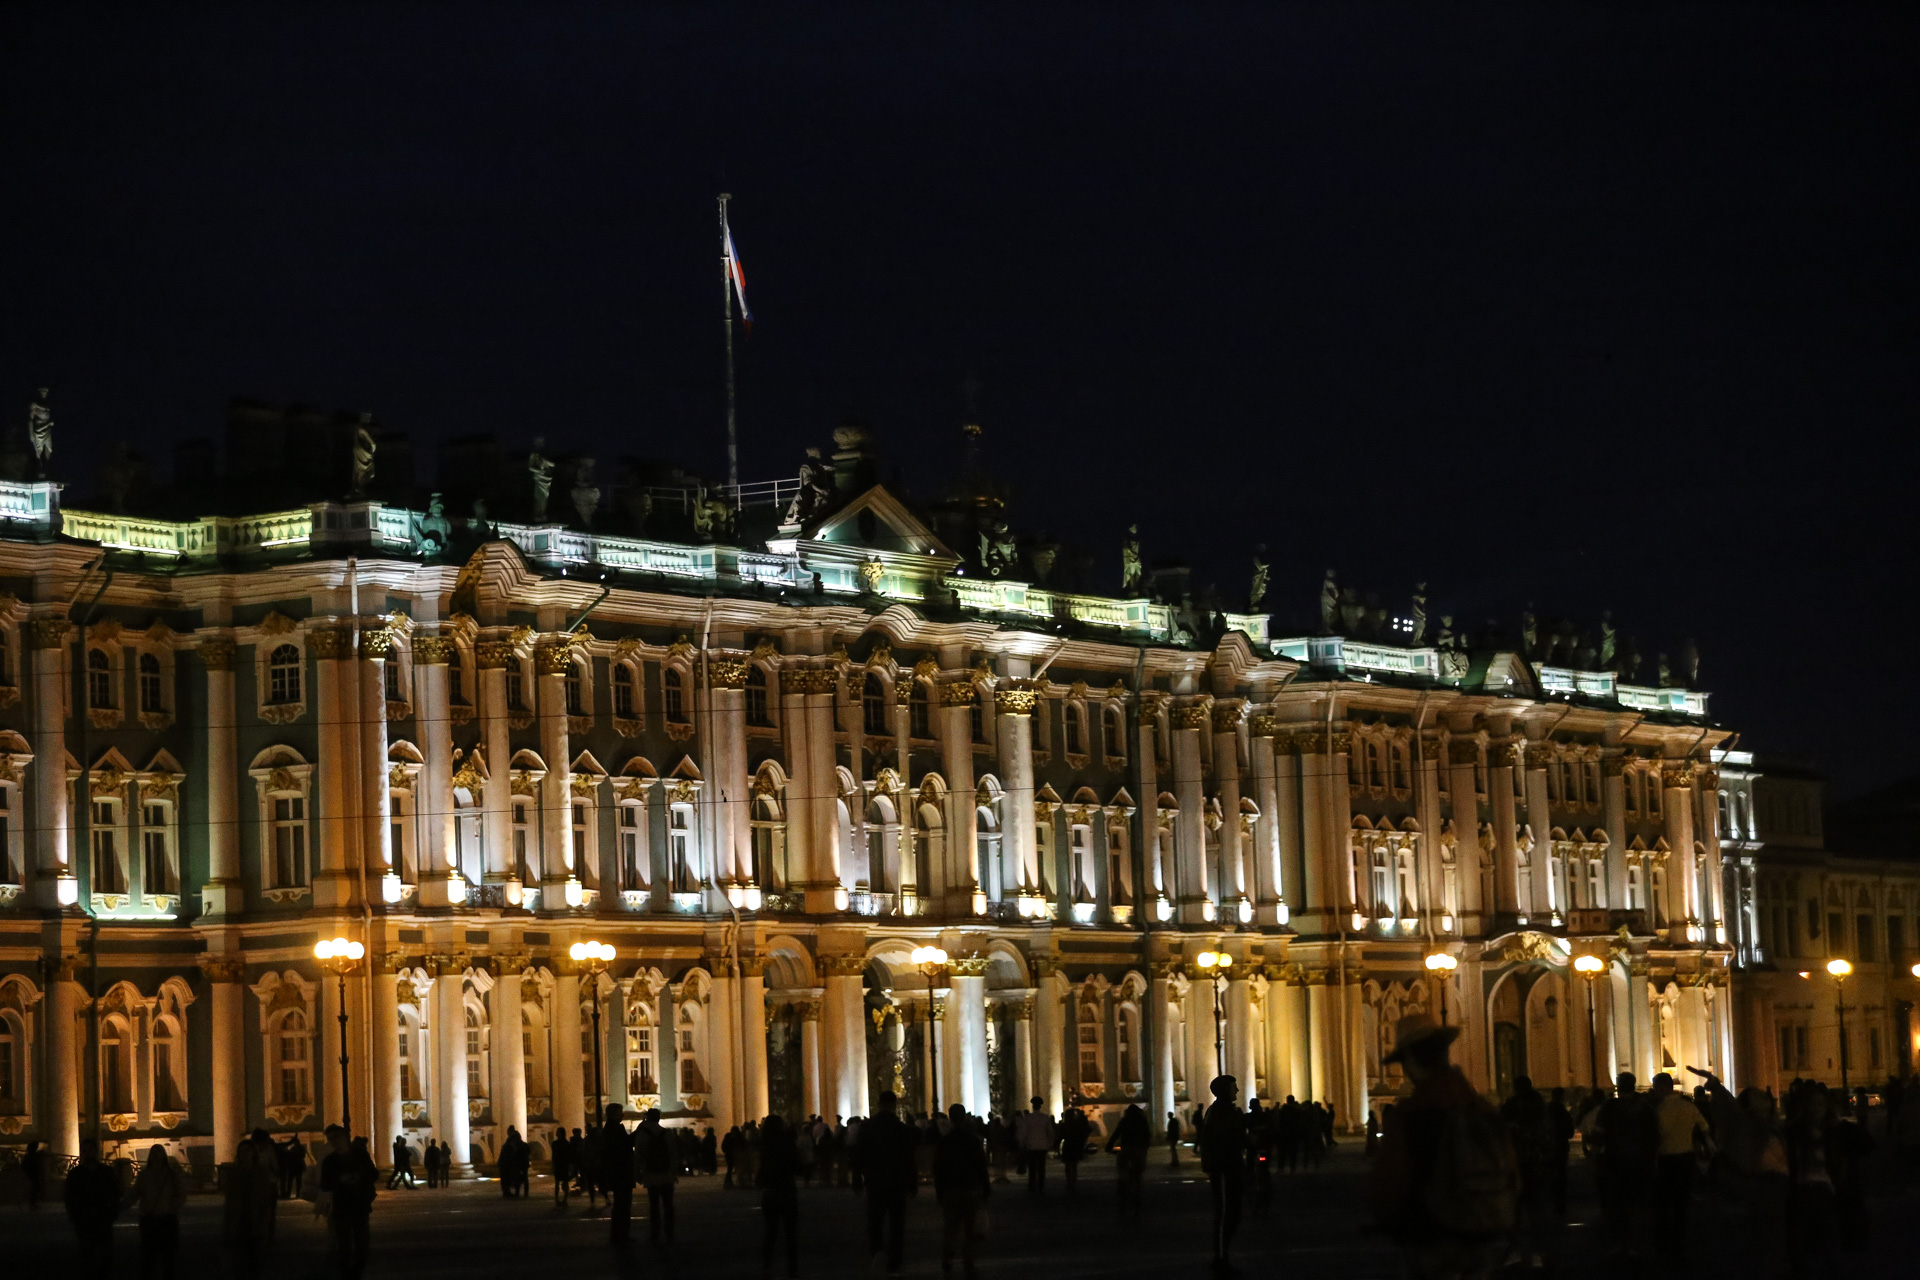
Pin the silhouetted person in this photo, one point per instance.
(1681, 1127)
(348, 1177)
(1173, 1140)
(1223, 1158)
(1444, 1181)
(1531, 1133)
(1037, 1135)
(34, 1165)
(93, 1201)
(160, 1192)
(659, 1167)
(617, 1161)
(779, 1195)
(562, 1151)
(1629, 1138)
(887, 1159)
(960, 1184)
(249, 1195)
(403, 1162)
(1074, 1131)
(1130, 1142)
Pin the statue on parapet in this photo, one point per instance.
(40, 431)
(540, 471)
(1257, 592)
(1419, 612)
(585, 493)
(1609, 641)
(432, 530)
(1329, 604)
(364, 447)
(814, 493)
(1131, 574)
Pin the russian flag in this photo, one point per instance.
(739, 276)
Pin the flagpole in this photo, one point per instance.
(726, 305)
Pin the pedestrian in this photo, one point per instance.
(1810, 1201)
(1260, 1122)
(292, 1159)
(561, 1152)
(779, 1195)
(887, 1159)
(348, 1177)
(160, 1192)
(92, 1197)
(1074, 1132)
(616, 1174)
(1560, 1126)
(430, 1163)
(1531, 1133)
(1445, 1183)
(1629, 1138)
(659, 1167)
(1289, 1133)
(1681, 1130)
(34, 1166)
(513, 1164)
(960, 1183)
(999, 1146)
(1129, 1143)
(1223, 1158)
(1173, 1140)
(730, 1156)
(1037, 1134)
(248, 1185)
(402, 1162)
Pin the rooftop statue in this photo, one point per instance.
(1419, 613)
(1666, 673)
(540, 470)
(40, 430)
(364, 447)
(1608, 640)
(585, 493)
(1329, 604)
(1690, 664)
(815, 491)
(1529, 631)
(997, 549)
(1257, 593)
(713, 518)
(1353, 610)
(431, 531)
(1130, 572)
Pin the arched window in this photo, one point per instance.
(928, 835)
(289, 841)
(390, 674)
(283, 675)
(642, 1077)
(986, 848)
(1114, 727)
(1076, 730)
(919, 721)
(151, 702)
(880, 831)
(476, 1056)
(623, 690)
(757, 713)
(1399, 766)
(675, 695)
(633, 848)
(873, 706)
(1409, 897)
(769, 844)
(166, 1066)
(109, 870)
(99, 679)
(1376, 773)
(116, 1065)
(692, 1079)
(680, 849)
(576, 705)
(1129, 1044)
(1090, 1044)
(13, 1061)
(296, 1074)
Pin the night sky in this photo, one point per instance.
(1597, 308)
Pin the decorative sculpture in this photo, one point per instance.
(364, 447)
(998, 550)
(1529, 631)
(541, 470)
(585, 493)
(1666, 672)
(1329, 603)
(1419, 613)
(1690, 664)
(431, 531)
(871, 571)
(40, 430)
(1608, 640)
(1130, 573)
(814, 492)
(1257, 593)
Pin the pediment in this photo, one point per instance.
(878, 521)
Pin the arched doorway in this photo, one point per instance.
(1547, 1012)
(1505, 1018)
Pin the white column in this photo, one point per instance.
(1293, 1009)
(842, 1011)
(811, 1092)
(753, 1040)
(1192, 878)
(226, 975)
(967, 1017)
(509, 1067)
(1240, 1041)
(1540, 820)
(801, 787)
(1234, 882)
(439, 868)
(450, 1060)
(224, 893)
(1049, 1030)
(491, 658)
(1683, 888)
(384, 1034)
(1278, 1034)
(62, 1006)
(556, 793)
(1022, 1012)
(569, 1104)
(1501, 759)
(1320, 1039)
(1159, 991)
(826, 884)
(960, 877)
(1613, 812)
(334, 884)
(52, 856)
(1265, 854)
(1015, 705)
(726, 691)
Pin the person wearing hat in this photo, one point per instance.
(1223, 1158)
(1445, 1184)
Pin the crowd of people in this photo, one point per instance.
(1462, 1186)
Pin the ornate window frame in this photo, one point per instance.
(158, 793)
(106, 680)
(279, 773)
(280, 994)
(15, 757)
(18, 996)
(273, 633)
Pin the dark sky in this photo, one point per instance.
(1602, 308)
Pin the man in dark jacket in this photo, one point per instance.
(617, 1173)
(1223, 1158)
(961, 1184)
(93, 1202)
(1074, 1132)
(886, 1157)
(779, 1197)
(659, 1170)
(350, 1180)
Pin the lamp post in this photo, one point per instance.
(931, 961)
(342, 957)
(1441, 965)
(593, 958)
(1215, 964)
(1840, 969)
(1589, 967)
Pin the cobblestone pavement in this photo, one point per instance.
(1317, 1224)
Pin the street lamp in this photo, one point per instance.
(1215, 964)
(342, 956)
(1840, 969)
(931, 961)
(1441, 965)
(594, 957)
(1590, 967)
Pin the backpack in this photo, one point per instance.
(1474, 1186)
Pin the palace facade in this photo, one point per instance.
(765, 771)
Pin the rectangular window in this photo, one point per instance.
(1836, 933)
(681, 831)
(1865, 933)
(108, 875)
(156, 847)
(1800, 1052)
(10, 871)
(631, 876)
(515, 691)
(476, 1085)
(523, 841)
(1089, 1053)
(1896, 929)
(1117, 869)
(1786, 1048)
(640, 1077)
(456, 688)
(409, 1087)
(289, 842)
